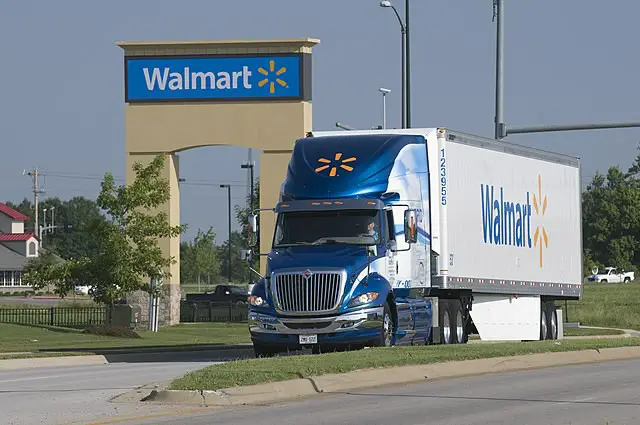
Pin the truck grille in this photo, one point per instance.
(308, 292)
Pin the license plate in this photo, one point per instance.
(308, 339)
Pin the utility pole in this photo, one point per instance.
(36, 191)
(228, 187)
(498, 12)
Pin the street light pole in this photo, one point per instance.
(405, 67)
(228, 187)
(250, 166)
(384, 92)
(407, 63)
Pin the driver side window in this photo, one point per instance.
(390, 228)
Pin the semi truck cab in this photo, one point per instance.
(341, 268)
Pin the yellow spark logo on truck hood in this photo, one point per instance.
(337, 162)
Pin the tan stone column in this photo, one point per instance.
(170, 302)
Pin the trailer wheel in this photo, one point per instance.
(461, 335)
(544, 328)
(552, 316)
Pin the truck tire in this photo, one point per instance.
(446, 328)
(552, 318)
(627, 280)
(387, 329)
(544, 322)
(460, 334)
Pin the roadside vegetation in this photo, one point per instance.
(591, 332)
(259, 371)
(607, 305)
(21, 338)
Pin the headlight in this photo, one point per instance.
(257, 301)
(365, 298)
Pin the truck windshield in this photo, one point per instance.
(356, 227)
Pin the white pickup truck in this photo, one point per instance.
(611, 275)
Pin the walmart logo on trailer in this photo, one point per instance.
(507, 221)
(213, 78)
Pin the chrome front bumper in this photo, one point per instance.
(370, 318)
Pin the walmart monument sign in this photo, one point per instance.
(217, 78)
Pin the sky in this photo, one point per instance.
(62, 82)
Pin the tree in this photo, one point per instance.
(238, 266)
(199, 258)
(611, 219)
(128, 251)
(242, 215)
(73, 217)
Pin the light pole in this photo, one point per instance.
(228, 187)
(250, 166)
(406, 81)
(384, 92)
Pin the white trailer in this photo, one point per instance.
(506, 226)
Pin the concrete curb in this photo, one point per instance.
(359, 380)
(34, 362)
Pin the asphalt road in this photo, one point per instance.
(596, 394)
(80, 394)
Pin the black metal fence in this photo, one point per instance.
(190, 311)
(55, 316)
(211, 311)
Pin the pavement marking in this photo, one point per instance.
(33, 378)
(162, 414)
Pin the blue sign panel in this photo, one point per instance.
(153, 79)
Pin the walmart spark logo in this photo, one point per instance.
(337, 162)
(506, 218)
(540, 236)
(272, 77)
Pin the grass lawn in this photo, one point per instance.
(590, 332)
(21, 338)
(257, 371)
(607, 304)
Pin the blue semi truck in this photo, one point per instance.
(417, 236)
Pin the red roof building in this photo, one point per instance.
(11, 213)
(16, 237)
(16, 248)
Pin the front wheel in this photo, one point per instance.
(387, 328)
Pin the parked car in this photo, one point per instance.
(611, 275)
(229, 293)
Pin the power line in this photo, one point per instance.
(187, 182)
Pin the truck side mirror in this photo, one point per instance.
(253, 229)
(410, 233)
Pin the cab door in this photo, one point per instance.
(390, 244)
